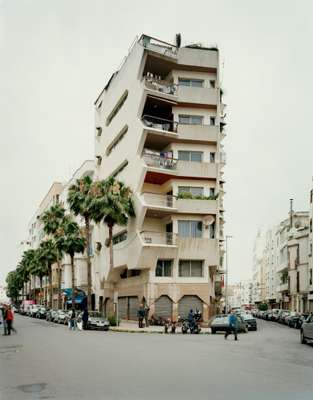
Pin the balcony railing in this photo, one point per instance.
(160, 85)
(159, 200)
(159, 123)
(160, 161)
(161, 238)
(158, 46)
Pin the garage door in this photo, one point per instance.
(122, 307)
(188, 303)
(163, 307)
(133, 305)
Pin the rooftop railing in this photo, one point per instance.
(159, 123)
(160, 85)
(160, 160)
(158, 46)
(162, 238)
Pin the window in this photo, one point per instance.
(311, 276)
(190, 155)
(190, 268)
(116, 140)
(212, 84)
(195, 191)
(117, 108)
(190, 82)
(99, 130)
(212, 120)
(191, 119)
(190, 229)
(164, 268)
(212, 158)
(212, 191)
(212, 230)
(120, 237)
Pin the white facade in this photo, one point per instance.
(159, 130)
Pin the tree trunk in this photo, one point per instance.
(59, 283)
(40, 290)
(89, 280)
(111, 246)
(30, 288)
(73, 281)
(50, 287)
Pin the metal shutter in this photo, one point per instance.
(163, 307)
(133, 305)
(188, 303)
(122, 307)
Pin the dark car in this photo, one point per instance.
(41, 313)
(250, 321)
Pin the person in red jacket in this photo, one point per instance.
(9, 319)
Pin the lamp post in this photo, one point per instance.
(226, 274)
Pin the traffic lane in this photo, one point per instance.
(61, 364)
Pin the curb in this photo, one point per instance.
(125, 330)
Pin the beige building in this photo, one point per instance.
(310, 255)
(159, 127)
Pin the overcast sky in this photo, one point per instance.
(56, 56)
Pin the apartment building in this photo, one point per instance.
(240, 294)
(258, 268)
(159, 124)
(310, 255)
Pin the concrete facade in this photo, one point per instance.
(158, 128)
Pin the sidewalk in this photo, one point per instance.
(132, 327)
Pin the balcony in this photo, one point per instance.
(202, 134)
(194, 206)
(158, 46)
(198, 170)
(157, 205)
(160, 86)
(157, 161)
(198, 95)
(283, 287)
(158, 238)
(198, 249)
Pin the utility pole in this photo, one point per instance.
(226, 275)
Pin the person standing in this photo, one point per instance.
(73, 320)
(85, 318)
(9, 319)
(233, 325)
(147, 310)
(141, 315)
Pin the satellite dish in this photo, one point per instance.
(178, 40)
(209, 220)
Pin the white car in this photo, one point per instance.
(306, 333)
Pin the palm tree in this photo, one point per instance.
(70, 238)
(53, 219)
(23, 272)
(46, 256)
(14, 284)
(80, 198)
(28, 260)
(113, 204)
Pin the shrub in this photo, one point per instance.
(112, 320)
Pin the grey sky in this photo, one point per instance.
(56, 56)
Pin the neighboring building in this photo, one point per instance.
(159, 127)
(3, 295)
(310, 255)
(258, 268)
(240, 294)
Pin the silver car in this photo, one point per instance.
(306, 333)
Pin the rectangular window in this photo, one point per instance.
(212, 191)
(212, 84)
(190, 82)
(190, 268)
(164, 268)
(121, 237)
(190, 229)
(190, 155)
(190, 119)
(212, 120)
(212, 158)
(195, 191)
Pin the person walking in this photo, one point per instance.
(85, 318)
(9, 319)
(233, 325)
(141, 315)
(73, 320)
(147, 310)
(3, 319)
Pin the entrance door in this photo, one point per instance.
(133, 305)
(188, 303)
(122, 307)
(163, 307)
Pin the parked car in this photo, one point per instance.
(302, 318)
(306, 333)
(220, 324)
(282, 314)
(96, 321)
(50, 315)
(291, 319)
(60, 316)
(32, 311)
(250, 321)
(41, 313)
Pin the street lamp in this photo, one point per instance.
(226, 274)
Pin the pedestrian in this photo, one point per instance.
(73, 320)
(147, 310)
(85, 318)
(232, 325)
(3, 318)
(141, 315)
(9, 319)
(191, 319)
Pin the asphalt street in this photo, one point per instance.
(47, 361)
